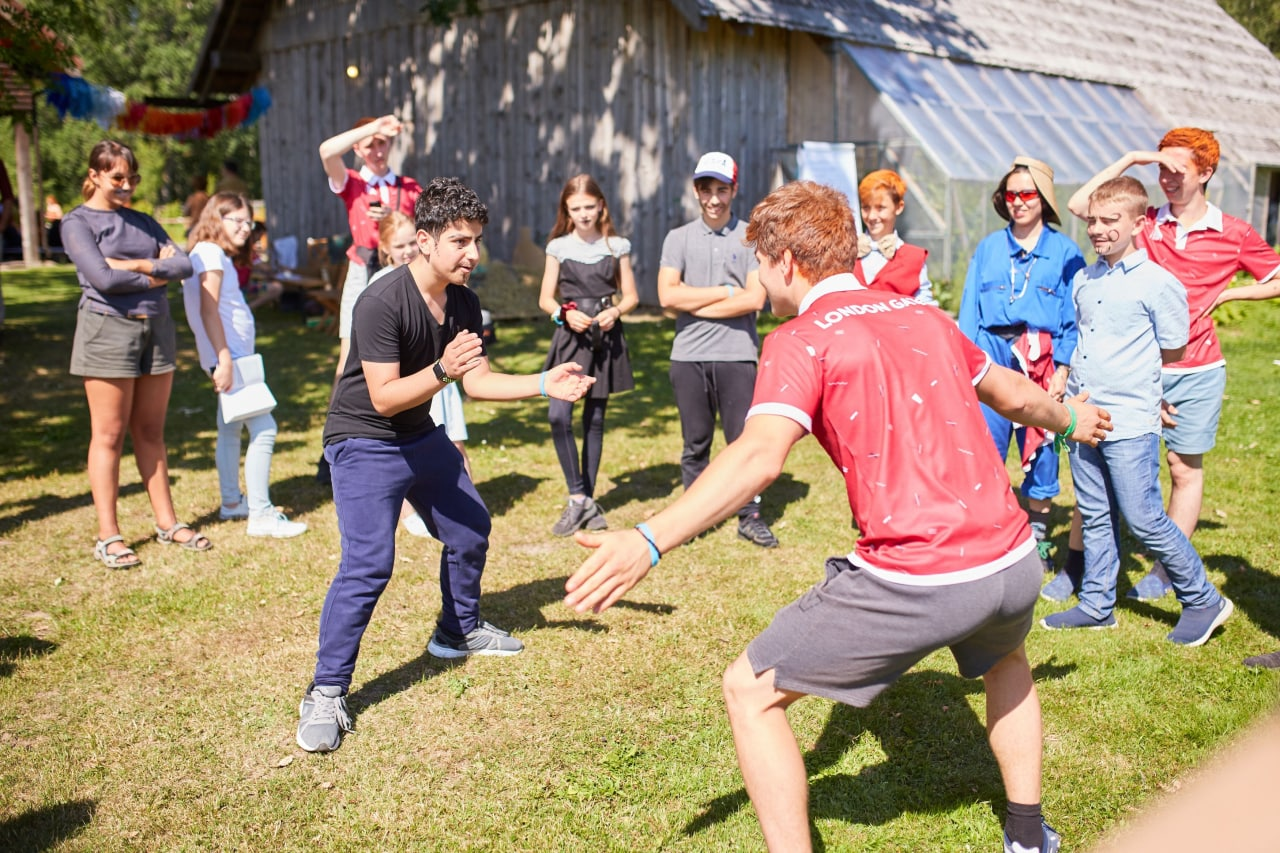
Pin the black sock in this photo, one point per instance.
(1075, 567)
(1022, 825)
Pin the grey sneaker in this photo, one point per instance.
(275, 525)
(233, 513)
(485, 639)
(579, 515)
(754, 530)
(322, 718)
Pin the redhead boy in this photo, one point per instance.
(885, 261)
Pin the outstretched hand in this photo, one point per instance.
(567, 382)
(619, 561)
(1092, 423)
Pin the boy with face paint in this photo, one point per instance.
(415, 331)
(1131, 318)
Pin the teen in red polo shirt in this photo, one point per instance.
(891, 389)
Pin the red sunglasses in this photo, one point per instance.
(1027, 196)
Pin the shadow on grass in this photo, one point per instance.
(518, 610)
(936, 756)
(46, 828)
(13, 649)
(1255, 593)
(504, 491)
(40, 507)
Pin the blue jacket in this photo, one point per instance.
(1006, 286)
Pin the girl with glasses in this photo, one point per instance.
(1017, 307)
(124, 345)
(224, 330)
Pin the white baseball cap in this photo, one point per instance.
(718, 165)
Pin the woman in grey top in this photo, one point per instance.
(124, 345)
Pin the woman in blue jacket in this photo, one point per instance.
(1017, 307)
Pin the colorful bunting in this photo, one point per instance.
(75, 97)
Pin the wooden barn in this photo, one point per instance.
(528, 92)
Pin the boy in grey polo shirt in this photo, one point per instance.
(1132, 318)
(708, 276)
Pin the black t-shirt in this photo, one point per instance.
(391, 324)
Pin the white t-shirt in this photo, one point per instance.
(237, 319)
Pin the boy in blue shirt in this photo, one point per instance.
(1132, 318)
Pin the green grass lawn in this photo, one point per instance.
(154, 709)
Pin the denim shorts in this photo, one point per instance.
(1198, 399)
(854, 634)
(110, 347)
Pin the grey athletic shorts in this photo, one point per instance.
(107, 347)
(852, 635)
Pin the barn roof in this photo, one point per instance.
(1220, 78)
(1188, 60)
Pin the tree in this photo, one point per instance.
(1259, 17)
(144, 48)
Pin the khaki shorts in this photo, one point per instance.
(107, 347)
(851, 636)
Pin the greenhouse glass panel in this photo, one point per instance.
(960, 112)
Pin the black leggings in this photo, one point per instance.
(580, 480)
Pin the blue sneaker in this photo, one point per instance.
(1061, 588)
(1153, 586)
(1197, 623)
(1076, 618)
(1049, 843)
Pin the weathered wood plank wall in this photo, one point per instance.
(518, 99)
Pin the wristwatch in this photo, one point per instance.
(441, 376)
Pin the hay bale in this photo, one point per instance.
(509, 294)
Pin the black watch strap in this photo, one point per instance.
(441, 376)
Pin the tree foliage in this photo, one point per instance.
(146, 49)
(1259, 17)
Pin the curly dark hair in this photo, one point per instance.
(445, 201)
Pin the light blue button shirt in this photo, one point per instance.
(1126, 314)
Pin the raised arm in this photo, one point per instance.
(1079, 201)
(335, 147)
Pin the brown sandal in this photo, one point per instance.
(194, 542)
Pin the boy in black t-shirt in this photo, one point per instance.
(412, 334)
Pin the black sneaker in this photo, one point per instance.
(485, 639)
(578, 515)
(754, 530)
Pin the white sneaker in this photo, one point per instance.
(232, 513)
(276, 525)
(415, 525)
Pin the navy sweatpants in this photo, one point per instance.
(370, 480)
